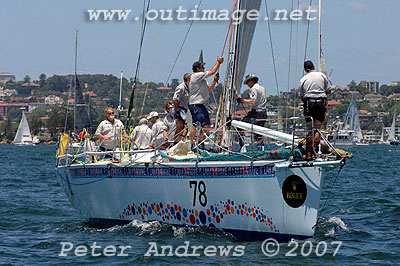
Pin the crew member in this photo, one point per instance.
(169, 130)
(141, 135)
(258, 103)
(156, 130)
(314, 88)
(179, 110)
(109, 132)
(199, 91)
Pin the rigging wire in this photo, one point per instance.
(297, 61)
(152, 62)
(144, 23)
(307, 34)
(290, 48)
(272, 49)
(183, 43)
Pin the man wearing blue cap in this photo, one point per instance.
(314, 88)
(199, 91)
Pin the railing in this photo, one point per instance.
(84, 151)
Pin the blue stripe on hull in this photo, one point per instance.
(239, 234)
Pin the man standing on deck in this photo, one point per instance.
(141, 136)
(109, 131)
(314, 88)
(199, 91)
(181, 104)
(258, 102)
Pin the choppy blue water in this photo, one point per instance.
(363, 211)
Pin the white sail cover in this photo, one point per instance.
(393, 127)
(266, 132)
(23, 135)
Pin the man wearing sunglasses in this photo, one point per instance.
(109, 132)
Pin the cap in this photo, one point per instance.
(197, 64)
(151, 115)
(143, 121)
(250, 77)
(308, 65)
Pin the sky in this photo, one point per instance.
(360, 40)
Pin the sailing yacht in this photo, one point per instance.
(392, 133)
(23, 136)
(250, 195)
(348, 132)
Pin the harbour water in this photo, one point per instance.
(362, 212)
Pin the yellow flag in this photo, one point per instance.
(63, 144)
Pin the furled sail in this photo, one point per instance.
(240, 42)
(23, 135)
(82, 119)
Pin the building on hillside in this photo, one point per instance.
(394, 96)
(343, 92)
(364, 115)
(20, 98)
(5, 108)
(53, 99)
(374, 98)
(395, 83)
(333, 104)
(33, 106)
(372, 86)
(164, 89)
(6, 76)
(29, 84)
(90, 93)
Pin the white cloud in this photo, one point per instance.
(358, 6)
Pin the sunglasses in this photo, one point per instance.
(111, 113)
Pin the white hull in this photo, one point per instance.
(244, 200)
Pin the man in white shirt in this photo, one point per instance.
(198, 96)
(258, 103)
(109, 132)
(141, 135)
(157, 138)
(181, 104)
(314, 88)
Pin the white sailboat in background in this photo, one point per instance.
(348, 132)
(392, 134)
(23, 136)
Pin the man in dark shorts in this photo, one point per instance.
(258, 103)
(199, 91)
(181, 103)
(314, 88)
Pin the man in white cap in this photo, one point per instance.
(141, 135)
(156, 130)
(257, 101)
(199, 92)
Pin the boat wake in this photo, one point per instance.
(330, 226)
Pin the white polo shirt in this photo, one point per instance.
(314, 85)
(198, 88)
(105, 128)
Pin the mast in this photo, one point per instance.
(76, 62)
(120, 108)
(240, 44)
(319, 36)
